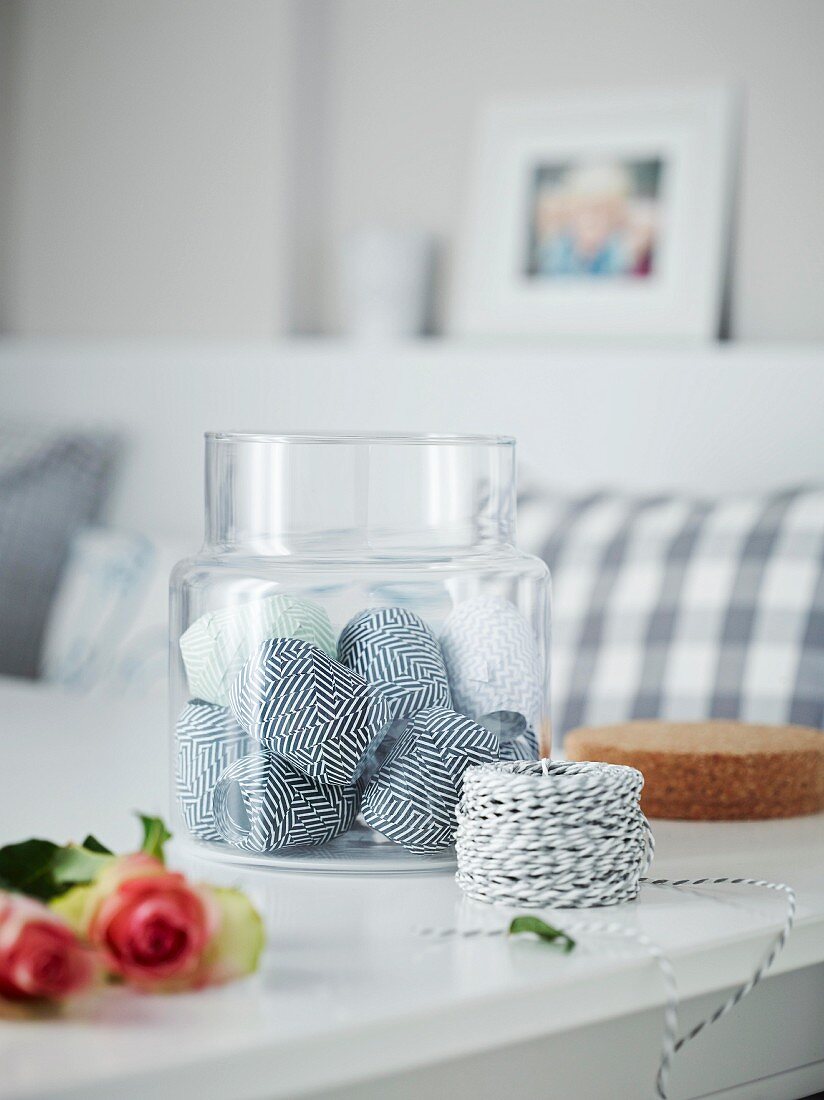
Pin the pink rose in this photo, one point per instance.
(40, 956)
(160, 932)
(150, 924)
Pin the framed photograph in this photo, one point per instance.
(600, 217)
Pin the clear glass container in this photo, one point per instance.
(294, 727)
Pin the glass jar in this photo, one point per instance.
(357, 629)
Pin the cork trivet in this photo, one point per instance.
(715, 770)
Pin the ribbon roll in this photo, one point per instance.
(394, 649)
(413, 797)
(216, 645)
(517, 740)
(492, 660)
(208, 740)
(263, 804)
(313, 711)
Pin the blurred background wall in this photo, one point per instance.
(191, 168)
(149, 164)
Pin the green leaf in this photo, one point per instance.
(155, 835)
(94, 845)
(44, 870)
(75, 865)
(27, 868)
(540, 928)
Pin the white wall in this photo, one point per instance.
(8, 22)
(151, 165)
(411, 77)
(722, 419)
(190, 167)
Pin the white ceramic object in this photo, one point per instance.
(386, 283)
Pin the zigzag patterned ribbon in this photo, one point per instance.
(217, 644)
(413, 797)
(313, 711)
(283, 808)
(491, 660)
(208, 740)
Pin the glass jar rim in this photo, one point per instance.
(411, 439)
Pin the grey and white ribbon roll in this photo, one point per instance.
(311, 710)
(517, 740)
(208, 740)
(412, 799)
(494, 666)
(263, 804)
(218, 643)
(393, 648)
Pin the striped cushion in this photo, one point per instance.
(679, 608)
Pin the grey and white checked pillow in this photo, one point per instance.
(678, 608)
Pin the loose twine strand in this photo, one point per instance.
(578, 841)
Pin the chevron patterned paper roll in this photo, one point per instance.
(492, 660)
(394, 648)
(208, 741)
(413, 797)
(283, 807)
(216, 645)
(313, 711)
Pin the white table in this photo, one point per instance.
(353, 1001)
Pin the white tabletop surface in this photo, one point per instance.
(348, 979)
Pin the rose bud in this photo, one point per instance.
(158, 931)
(40, 956)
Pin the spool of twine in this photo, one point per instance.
(552, 833)
(571, 835)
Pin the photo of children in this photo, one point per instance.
(595, 218)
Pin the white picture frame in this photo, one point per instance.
(682, 140)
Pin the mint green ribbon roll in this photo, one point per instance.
(216, 645)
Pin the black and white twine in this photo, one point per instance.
(572, 835)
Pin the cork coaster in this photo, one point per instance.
(714, 770)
